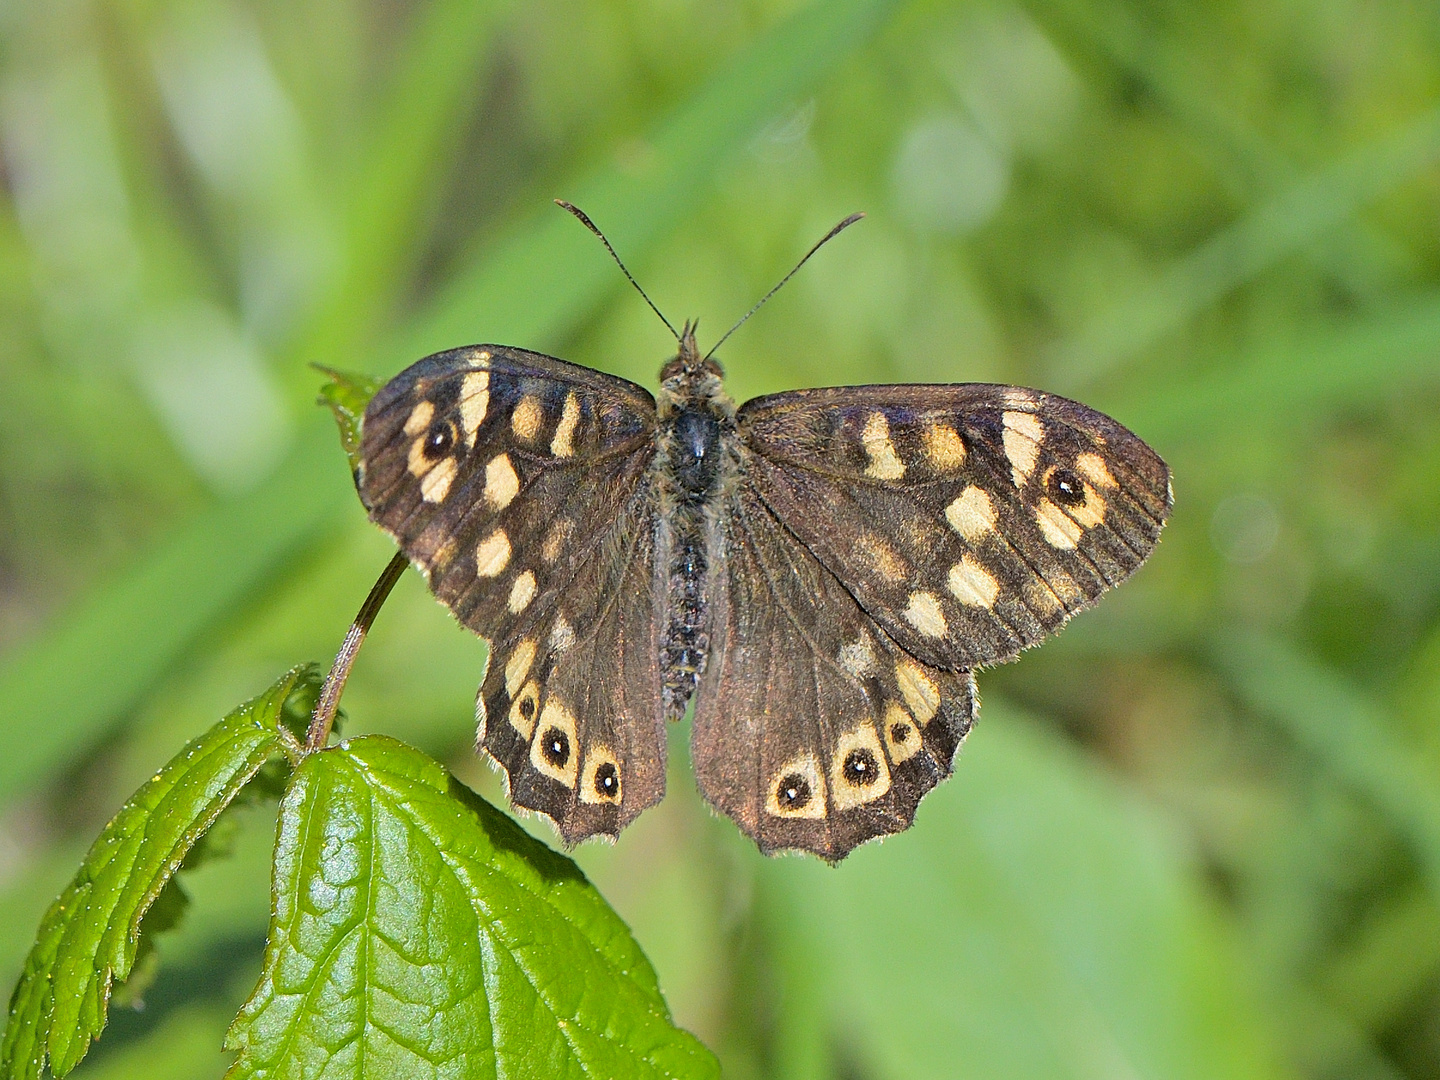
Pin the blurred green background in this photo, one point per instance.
(1197, 835)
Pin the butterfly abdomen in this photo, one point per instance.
(690, 466)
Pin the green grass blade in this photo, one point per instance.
(1367, 359)
(516, 289)
(1389, 963)
(438, 76)
(1184, 86)
(1277, 227)
(65, 688)
(99, 660)
(1344, 731)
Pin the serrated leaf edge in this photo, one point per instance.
(436, 777)
(67, 1049)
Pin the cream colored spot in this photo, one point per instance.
(493, 554)
(921, 695)
(877, 553)
(858, 772)
(555, 539)
(501, 483)
(518, 666)
(419, 418)
(884, 464)
(1093, 467)
(562, 445)
(562, 635)
(521, 593)
(972, 514)
(1018, 397)
(972, 584)
(590, 790)
(525, 420)
(902, 734)
(1059, 529)
(474, 403)
(553, 751)
(943, 447)
(797, 789)
(482, 719)
(436, 484)
(1091, 512)
(923, 612)
(482, 359)
(523, 709)
(858, 657)
(1022, 438)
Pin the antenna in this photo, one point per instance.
(836, 231)
(585, 220)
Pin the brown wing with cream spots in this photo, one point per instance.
(570, 705)
(517, 483)
(813, 729)
(969, 520)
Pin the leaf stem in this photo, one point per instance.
(324, 718)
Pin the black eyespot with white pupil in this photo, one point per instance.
(793, 792)
(860, 768)
(439, 440)
(1066, 488)
(607, 780)
(555, 745)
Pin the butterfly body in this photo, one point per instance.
(819, 571)
(695, 441)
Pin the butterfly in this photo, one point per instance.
(820, 571)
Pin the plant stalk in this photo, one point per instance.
(324, 718)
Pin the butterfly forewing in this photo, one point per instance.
(518, 484)
(812, 729)
(968, 521)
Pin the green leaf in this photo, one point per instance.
(347, 394)
(1037, 921)
(90, 937)
(417, 931)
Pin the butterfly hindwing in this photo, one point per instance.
(968, 520)
(812, 729)
(570, 705)
(518, 484)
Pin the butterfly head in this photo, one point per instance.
(689, 377)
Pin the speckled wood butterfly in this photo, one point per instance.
(820, 570)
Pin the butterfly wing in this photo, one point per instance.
(968, 521)
(878, 543)
(813, 729)
(517, 483)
